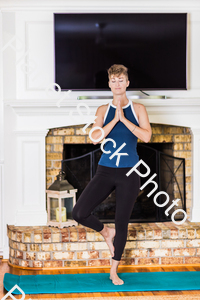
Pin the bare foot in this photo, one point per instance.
(115, 279)
(108, 234)
(109, 239)
(113, 273)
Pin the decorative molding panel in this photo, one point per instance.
(1, 207)
(31, 175)
(33, 218)
(30, 196)
(36, 44)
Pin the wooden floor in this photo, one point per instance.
(4, 268)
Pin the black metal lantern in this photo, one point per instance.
(61, 198)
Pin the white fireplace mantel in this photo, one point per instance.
(179, 111)
(26, 126)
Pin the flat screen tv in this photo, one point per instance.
(151, 45)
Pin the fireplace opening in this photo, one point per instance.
(80, 163)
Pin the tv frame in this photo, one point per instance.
(128, 89)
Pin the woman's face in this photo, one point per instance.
(118, 84)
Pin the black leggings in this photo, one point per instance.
(98, 189)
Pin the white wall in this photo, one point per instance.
(29, 25)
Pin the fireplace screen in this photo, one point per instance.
(170, 178)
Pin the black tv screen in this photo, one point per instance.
(151, 45)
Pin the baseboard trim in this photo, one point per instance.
(120, 267)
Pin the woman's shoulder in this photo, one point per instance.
(138, 107)
(102, 109)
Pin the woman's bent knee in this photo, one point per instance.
(74, 214)
(77, 215)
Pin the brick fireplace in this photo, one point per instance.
(147, 243)
(178, 137)
(32, 126)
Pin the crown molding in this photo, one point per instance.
(91, 5)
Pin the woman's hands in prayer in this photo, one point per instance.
(119, 114)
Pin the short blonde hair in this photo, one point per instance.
(118, 70)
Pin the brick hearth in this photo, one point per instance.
(79, 246)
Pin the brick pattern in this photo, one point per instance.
(182, 147)
(180, 136)
(54, 147)
(78, 246)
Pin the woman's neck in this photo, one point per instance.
(123, 99)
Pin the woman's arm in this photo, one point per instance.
(99, 122)
(144, 131)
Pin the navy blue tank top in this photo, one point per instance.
(120, 134)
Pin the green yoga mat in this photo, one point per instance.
(100, 282)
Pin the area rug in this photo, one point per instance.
(100, 282)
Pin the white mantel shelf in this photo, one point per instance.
(153, 106)
(177, 112)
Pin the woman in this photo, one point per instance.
(123, 122)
